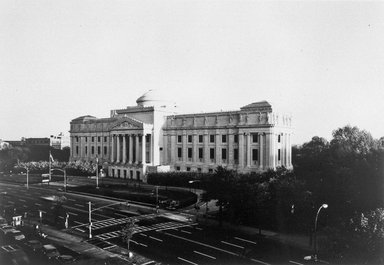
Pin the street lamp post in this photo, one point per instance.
(325, 206)
(97, 172)
(90, 214)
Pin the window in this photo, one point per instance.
(199, 170)
(93, 150)
(93, 139)
(210, 170)
(178, 168)
(200, 153)
(223, 138)
(224, 153)
(98, 150)
(86, 139)
(278, 154)
(200, 138)
(131, 173)
(179, 152)
(236, 154)
(179, 138)
(255, 138)
(212, 153)
(105, 138)
(105, 150)
(255, 154)
(147, 138)
(138, 175)
(189, 152)
(188, 169)
(189, 138)
(77, 150)
(236, 136)
(98, 139)
(77, 139)
(278, 138)
(86, 150)
(212, 138)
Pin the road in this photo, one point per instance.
(159, 238)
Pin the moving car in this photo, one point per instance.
(15, 235)
(50, 251)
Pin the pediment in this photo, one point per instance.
(127, 124)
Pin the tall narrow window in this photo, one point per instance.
(179, 152)
(255, 154)
(212, 153)
(278, 154)
(189, 152)
(179, 138)
(223, 138)
(224, 153)
(236, 138)
(212, 138)
(255, 138)
(201, 153)
(200, 138)
(105, 150)
(189, 138)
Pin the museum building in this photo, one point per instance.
(152, 137)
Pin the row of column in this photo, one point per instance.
(126, 148)
(267, 149)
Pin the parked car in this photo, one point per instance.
(15, 235)
(64, 259)
(50, 251)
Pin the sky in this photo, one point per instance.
(320, 61)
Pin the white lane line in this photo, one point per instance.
(154, 238)
(78, 223)
(11, 202)
(233, 245)
(261, 262)
(138, 243)
(71, 200)
(197, 252)
(190, 262)
(144, 235)
(294, 262)
(149, 262)
(79, 205)
(38, 204)
(22, 200)
(61, 217)
(75, 214)
(81, 230)
(198, 228)
(184, 231)
(202, 244)
(245, 240)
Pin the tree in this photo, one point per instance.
(128, 230)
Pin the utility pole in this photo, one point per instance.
(90, 219)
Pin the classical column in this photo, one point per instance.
(218, 149)
(230, 148)
(248, 149)
(130, 143)
(194, 147)
(184, 146)
(112, 148)
(137, 149)
(173, 148)
(118, 149)
(124, 149)
(206, 158)
(241, 150)
(261, 148)
(143, 143)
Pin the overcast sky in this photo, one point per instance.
(323, 62)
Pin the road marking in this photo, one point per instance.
(11, 202)
(71, 200)
(184, 231)
(202, 244)
(138, 243)
(198, 228)
(224, 242)
(187, 261)
(22, 200)
(149, 262)
(61, 217)
(261, 262)
(38, 204)
(294, 262)
(154, 238)
(78, 223)
(245, 240)
(204, 254)
(81, 230)
(79, 205)
(75, 214)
